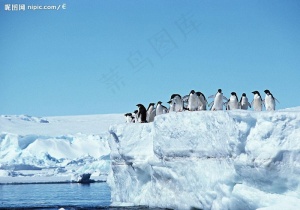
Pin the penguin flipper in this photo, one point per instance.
(225, 104)
(249, 104)
(225, 98)
(210, 104)
(212, 96)
(277, 100)
(227, 107)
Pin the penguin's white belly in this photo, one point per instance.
(193, 103)
(233, 104)
(178, 105)
(244, 104)
(202, 104)
(257, 105)
(270, 103)
(218, 103)
(159, 110)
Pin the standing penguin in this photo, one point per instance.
(270, 101)
(202, 101)
(233, 102)
(171, 106)
(150, 112)
(142, 113)
(244, 103)
(257, 101)
(193, 101)
(217, 103)
(160, 109)
(135, 115)
(177, 102)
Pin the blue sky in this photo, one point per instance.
(101, 57)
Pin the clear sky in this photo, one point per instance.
(105, 56)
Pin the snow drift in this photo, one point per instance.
(208, 160)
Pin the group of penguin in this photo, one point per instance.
(196, 101)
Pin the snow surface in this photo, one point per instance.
(54, 149)
(208, 160)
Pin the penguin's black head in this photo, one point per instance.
(219, 90)
(192, 92)
(244, 94)
(174, 95)
(129, 114)
(159, 102)
(151, 104)
(267, 91)
(233, 93)
(169, 102)
(126, 114)
(135, 111)
(138, 105)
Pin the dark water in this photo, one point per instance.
(68, 196)
(55, 196)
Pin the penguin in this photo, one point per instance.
(135, 115)
(171, 106)
(129, 118)
(270, 102)
(217, 103)
(233, 102)
(160, 109)
(193, 101)
(177, 102)
(142, 113)
(202, 100)
(185, 102)
(244, 103)
(257, 101)
(150, 112)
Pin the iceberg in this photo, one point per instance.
(208, 160)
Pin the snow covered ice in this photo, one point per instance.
(54, 149)
(208, 160)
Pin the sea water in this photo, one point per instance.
(94, 195)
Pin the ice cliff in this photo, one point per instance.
(208, 160)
